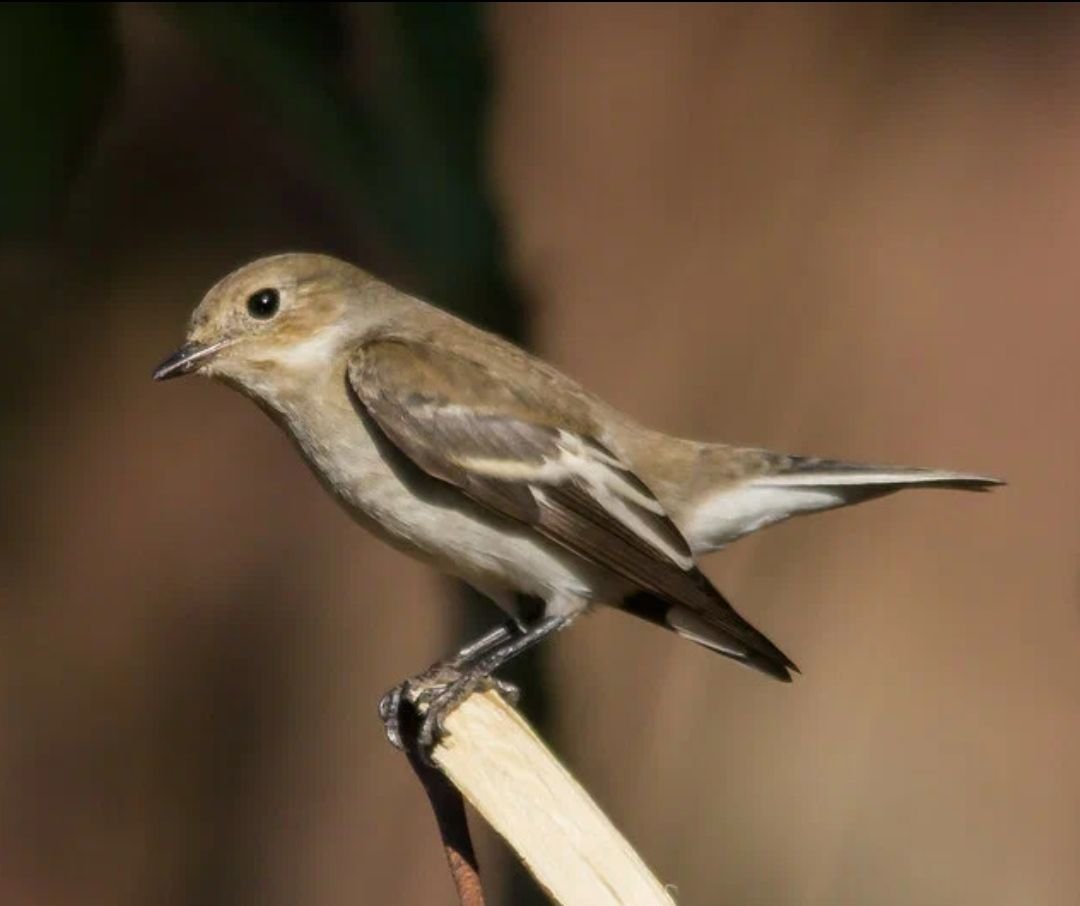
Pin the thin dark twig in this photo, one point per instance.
(449, 809)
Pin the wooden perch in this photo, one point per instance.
(510, 777)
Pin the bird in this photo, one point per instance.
(482, 460)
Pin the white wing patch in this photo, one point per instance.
(605, 477)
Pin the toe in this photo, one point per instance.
(393, 735)
(390, 704)
(507, 690)
(432, 732)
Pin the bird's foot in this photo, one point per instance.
(415, 711)
(432, 696)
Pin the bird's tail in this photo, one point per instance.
(773, 487)
(713, 623)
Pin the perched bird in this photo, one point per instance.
(461, 449)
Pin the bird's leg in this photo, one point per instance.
(477, 648)
(476, 676)
(425, 687)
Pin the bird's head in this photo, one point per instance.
(274, 319)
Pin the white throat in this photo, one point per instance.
(316, 352)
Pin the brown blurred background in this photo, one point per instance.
(837, 230)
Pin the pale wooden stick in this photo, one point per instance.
(508, 775)
(449, 810)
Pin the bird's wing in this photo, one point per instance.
(512, 445)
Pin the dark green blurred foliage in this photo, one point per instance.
(58, 67)
(403, 141)
(407, 149)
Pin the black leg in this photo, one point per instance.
(477, 648)
(447, 684)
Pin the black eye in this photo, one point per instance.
(263, 304)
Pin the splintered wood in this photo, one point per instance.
(511, 778)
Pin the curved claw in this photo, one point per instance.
(432, 732)
(390, 703)
(390, 712)
(506, 689)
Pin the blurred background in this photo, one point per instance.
(840, 230)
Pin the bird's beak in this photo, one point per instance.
(185, 360)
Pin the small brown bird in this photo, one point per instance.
(466, 452)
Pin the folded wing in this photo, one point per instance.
(506, 443)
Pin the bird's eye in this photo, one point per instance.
(263, 304)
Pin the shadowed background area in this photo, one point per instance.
(823, 229)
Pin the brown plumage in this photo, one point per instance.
(519, 480)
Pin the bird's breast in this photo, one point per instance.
(427, 518)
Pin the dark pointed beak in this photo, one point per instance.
(185, 360)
